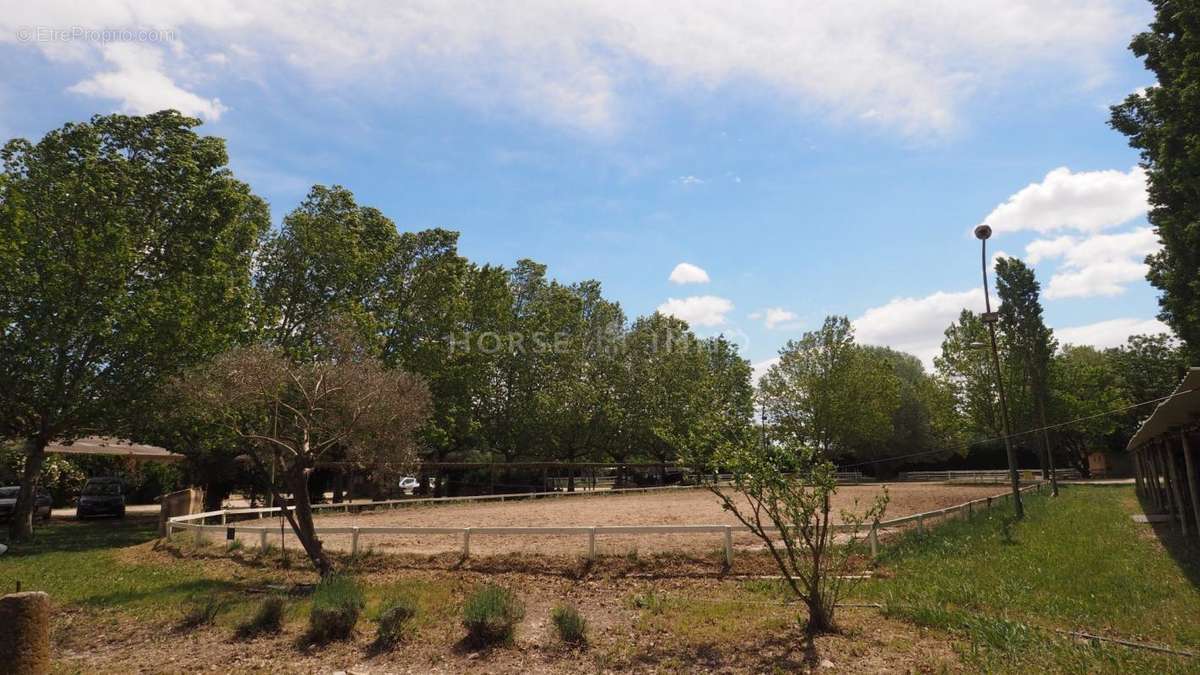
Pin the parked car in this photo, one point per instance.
(409, 484)
(8, 502)
(102, 497)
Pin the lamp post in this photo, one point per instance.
(990, 318)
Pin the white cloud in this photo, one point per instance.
(902, 66)
(1111, 333)
(915, 325)
(774, 317)
(698, 310)
(687, 273)
(1100, 265)
(759, 369)
(1088, 201)
(689, 180)
(141, 86)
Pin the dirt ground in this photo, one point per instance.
(675, 507)
(699, 625)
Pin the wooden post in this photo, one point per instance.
(262, 540)
(1137, 475)
(1189, 465)
(921, 524)
(466, 542)
(1166, 479)
(1156, 476)
(874, 539)
(592, 544)
(728, 546)
(354, 542)
(1176, 494)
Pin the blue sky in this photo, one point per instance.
(825, 159)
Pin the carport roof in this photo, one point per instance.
(1182, 409)
(99, 445)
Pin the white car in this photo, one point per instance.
(409, 484)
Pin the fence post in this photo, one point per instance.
(222, 517)
(354, 542)
(874, 539)
(970, 509)
(466, 542)
(728, 546)
(170, 528)
(921, 524)
(262, 540)
(199, 535)
(592, 544)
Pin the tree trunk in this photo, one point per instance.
(21, 526)
(302, 522)
(820, 618)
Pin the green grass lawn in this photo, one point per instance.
(77, 564)
(1077, 562)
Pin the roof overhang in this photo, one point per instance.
(113, 447)
(1181, 410)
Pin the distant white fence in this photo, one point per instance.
(197, 523)
(981, 476)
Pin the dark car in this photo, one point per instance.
(102, 497)
(8, 502)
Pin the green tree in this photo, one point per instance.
(964, 366)
(126, 249)
(294, 413)
(1150, 367)
(827, 392)
(329, 258)
(1086, 385)
(664, 398)
(1163, 123)
(924, 419)
(781, 492)
(1028, 347)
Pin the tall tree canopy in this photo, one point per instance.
(827, 392)
(126, 244)
(1163, 122)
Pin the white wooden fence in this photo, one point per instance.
(196, 522)
(981, 476)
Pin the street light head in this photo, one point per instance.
(983, 232)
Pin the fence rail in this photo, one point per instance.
(982, 476)
(196, 523)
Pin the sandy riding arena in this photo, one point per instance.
(669, 507)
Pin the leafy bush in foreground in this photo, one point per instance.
(570, 624)
(491, 614)
(337, 603)
(394, 621)
(268, 618)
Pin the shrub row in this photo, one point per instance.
(490, 615)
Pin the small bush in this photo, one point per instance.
(649, 601)
(491, 614)
(337, 603)
(394, 621)
(202, 611)
(570, 624)
(268, 618)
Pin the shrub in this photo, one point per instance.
(490, 615)
(336, 605)
(268, 618)
(202, 611)
(394, 621)
(570, 624)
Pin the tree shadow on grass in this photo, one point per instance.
(1184, 550)
(59, 535)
